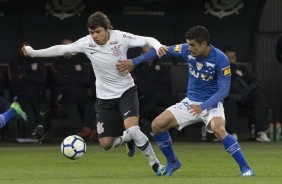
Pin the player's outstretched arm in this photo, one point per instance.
(128, 65)
(54, 51)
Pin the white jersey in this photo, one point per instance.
(109, 82)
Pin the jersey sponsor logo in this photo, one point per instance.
(199, 65)
(199, 75)
(226, 71)
(129, 37)
(208, 64)
(190, 57)
(92, 45)
(177, 48)
(116, 50)
(113, 42)
(194, 73)
(203, 76)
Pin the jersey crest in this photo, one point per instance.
(116, 50)
(199, 65)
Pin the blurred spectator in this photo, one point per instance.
(245, 94)
(71, 80)
(4, 103)
(27, 83)
(153, 81)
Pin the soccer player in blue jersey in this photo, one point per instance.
(13, 111)
(209, 83)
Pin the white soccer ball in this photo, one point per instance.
(73, 147)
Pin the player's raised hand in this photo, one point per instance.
(27, 50)
(125, 66)
(162, 50)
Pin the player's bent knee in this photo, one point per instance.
(105, 145)
(220, 132)
(157, 127)
(164, 122)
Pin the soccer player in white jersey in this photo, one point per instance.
(209, 83)
(116, 92)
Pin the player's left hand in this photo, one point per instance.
(162, 50)
(196, 110)
(125, 66)
(27, 51)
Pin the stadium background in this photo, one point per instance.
(252, 29)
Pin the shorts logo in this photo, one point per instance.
(127, 112)
(100, 128)
(226, 71)
(186, 104)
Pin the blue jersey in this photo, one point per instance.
(209, 77)
(206, 75)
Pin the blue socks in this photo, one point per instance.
(230, 144)
(164, 142)
(233, 148)
(6, 116)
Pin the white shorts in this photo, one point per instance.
(185, 118)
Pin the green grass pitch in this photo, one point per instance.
(201, 163)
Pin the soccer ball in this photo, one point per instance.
(73, 147)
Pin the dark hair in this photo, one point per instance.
(99, 19)
(228, 49)
(22, 43)
(199, 33)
